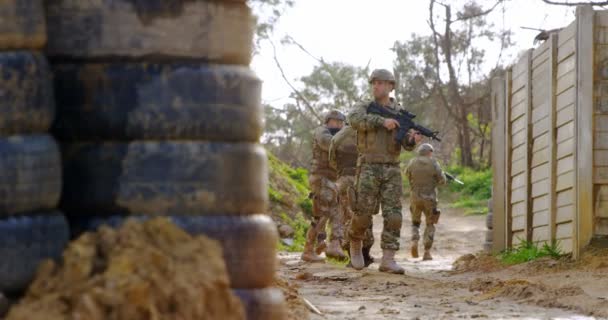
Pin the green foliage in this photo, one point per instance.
(300, 226)
(477, 189)
(528, 251)
(306, 206)
(274, 195)
(336, 262)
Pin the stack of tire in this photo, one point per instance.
(159, 115)
(31, 228)
(487, 246)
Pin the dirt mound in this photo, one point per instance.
(482, 262)
(150, 270)
(295, 305)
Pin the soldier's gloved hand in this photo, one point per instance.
(391, 124)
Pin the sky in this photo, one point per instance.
(359, 32)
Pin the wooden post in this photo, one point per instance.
(499, 187)
(529, 227)
(507, 148)
(552, 138)
(583, 224)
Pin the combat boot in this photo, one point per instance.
(367, 258)
(356, 256)
(335, 251)
(388, 263)
(427, 255)
(414, 250)
(309, 255)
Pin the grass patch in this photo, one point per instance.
(336, 262)
(300, 226)
(473, 196)
(528, 251)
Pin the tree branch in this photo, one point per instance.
(296, 91)
(477, 15)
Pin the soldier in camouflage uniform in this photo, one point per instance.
(343, 158)
(322, 181)
(378, 177)
(424, 175)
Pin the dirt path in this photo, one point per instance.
(427, 291)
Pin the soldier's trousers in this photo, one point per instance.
(419, 206)
(378, 184)
(325, 206)
(346, 185)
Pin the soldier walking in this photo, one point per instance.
(379, 176)
(424, 175)
(324, 193)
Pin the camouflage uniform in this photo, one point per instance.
(343, 157)
(322, 181)
(424, 175)
(379, 177)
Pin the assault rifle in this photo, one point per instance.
(405, 121)
(452, 178)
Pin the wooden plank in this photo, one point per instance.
(564, 198)
(565, 181)
(542, 112)
(566, 66)
(518, 166)
(601, 227)
(539, 158)
(539, 74)
(540, 188)
(518, 125)
(522, 65)
(600, 158)
(518, 85)
(518, 195)
(600, 140)
(564, 214)
(518, 111)
(584, 130)
(541, 142)
(541, 234)
(519, 237)
(567, 33)
(530, 131)
(540, 173)
(519, 96)
(565, 148)
(566, 81)
(540, 97)
(499, 106)
(518, 181)
(541, 218)
(565, 115)
(552, 197)
(519, 153)
(601, 122)
(565, 98)
(565, 245)
(540, 203)
(565, 132)
(518, 209)
(565, 230)
(566, 49)
(541, 53)
(601, 20)
(519, 223)
(539, 128)
(601, 209)
(519, 138)
(565, 165)
(600, 175)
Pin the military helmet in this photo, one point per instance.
(334, 114)
(425, 149)
(382, 74)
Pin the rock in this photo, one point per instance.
(286, 231)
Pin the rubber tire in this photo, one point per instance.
(134, 101)
(155, 30)
(27, 104)
(30, 174)
(489, 220)
(164, 178)
(263, 304)
(249, 242)
(25, 241)
(22, 25)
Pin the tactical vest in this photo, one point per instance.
(422, 170)
(320, 162)
(346, 157)
(378, 145)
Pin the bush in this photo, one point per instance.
(528, 251)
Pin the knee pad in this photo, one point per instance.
(394, 221)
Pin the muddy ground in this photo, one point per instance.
(545, 289)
